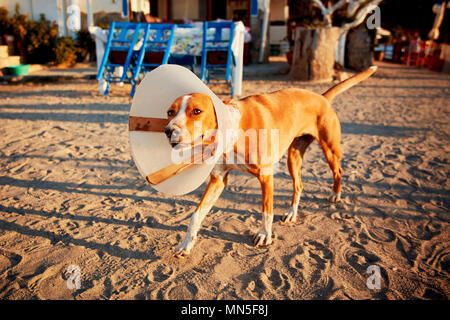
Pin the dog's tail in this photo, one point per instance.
(350, 82)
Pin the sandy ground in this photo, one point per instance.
(71, 195)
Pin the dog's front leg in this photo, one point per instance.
(264, 236)
(217, 182)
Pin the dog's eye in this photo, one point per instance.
(170, 113)
(196, 111)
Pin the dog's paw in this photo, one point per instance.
(261, 238)
(289, 217)
(184, 249)
(335, 197)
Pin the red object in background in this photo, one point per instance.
(412, 55)
(436, 63)
(246, 54)
(424, 54)
(289, 55)
(419, 53)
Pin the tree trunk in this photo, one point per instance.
(314, 54)
(256, 33)
(340, 50)
(359, 49)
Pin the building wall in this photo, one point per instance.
(25, 5)
(50, 7)
(279, 10)
(185, 9)
(162, 10)
(34, 8)
(103, 5)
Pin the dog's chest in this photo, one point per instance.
(221, 169)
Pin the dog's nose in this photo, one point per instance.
(168, 132)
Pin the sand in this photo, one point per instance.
(71, 195)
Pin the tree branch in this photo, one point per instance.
(337, 5)
(360, 15)
(327, 13)
(353, 6)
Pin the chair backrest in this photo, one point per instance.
(218, 35)
(119, 46)
(124, 34)
(158, 37)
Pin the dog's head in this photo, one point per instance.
(192, 120)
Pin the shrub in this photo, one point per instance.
(85, 46)
(19, 23)
(40, 40)
(5, 24)
(65, 51)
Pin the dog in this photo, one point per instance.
(299, 116)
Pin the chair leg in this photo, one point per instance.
(133, 88)
(107, 88)
(108, 81)
(203, 69)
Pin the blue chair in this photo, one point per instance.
(118, 53)
(155, 50)
(216, 42)
(183, 60)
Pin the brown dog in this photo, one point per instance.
(298, 116)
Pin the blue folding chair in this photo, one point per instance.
(214, 43)
(155, 49)
(118, 53)
(183, 60)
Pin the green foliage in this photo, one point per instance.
(19, 24)
(65, 51)
(85, 46)
(5, 23)
(40, 40)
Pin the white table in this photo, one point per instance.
(187, 41)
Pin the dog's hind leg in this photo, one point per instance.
(217, 182)
(295, 159)
(332, 153)
(330, 141)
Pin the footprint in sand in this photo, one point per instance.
(414, 160)
(294, 263)
(8, 260)
(310, 263)
(341, 216)
(160, 274)
(434, 257)
(358, 258)
(320, 259)
(378, 235)
(186, 291)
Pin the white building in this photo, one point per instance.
(58, 11)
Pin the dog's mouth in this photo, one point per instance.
(179, 145)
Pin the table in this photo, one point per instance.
(187, 41)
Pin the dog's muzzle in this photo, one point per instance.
(174, 136)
